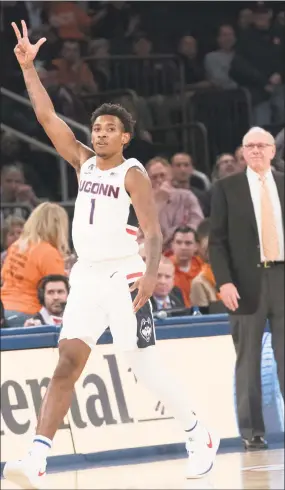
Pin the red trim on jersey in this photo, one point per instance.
(135, 274)
(132, 231)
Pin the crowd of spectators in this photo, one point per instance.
(84, 57)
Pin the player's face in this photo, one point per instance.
(165, 280)
(108, 136)
(184, 246)
(258, 151)
(55, 296)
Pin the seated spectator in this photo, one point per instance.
(166, 295)
(258, 66)
(100, 64)
(176, 207)
(11, 231)
(73, 72)
(218, 63)
(203, 292)
(186, 262)
(14, 190)
(69, 19)
(225, 165)
(245, 17)
(240, 158)
(38, 252)
(194, 70)
(278, 161)
(183, 178)
(52, 294)
(65, 101)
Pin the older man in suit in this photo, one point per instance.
(247, 256)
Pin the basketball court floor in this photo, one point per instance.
(257, 470)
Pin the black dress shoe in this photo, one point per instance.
(257, 443)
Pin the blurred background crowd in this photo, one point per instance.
(195, 79)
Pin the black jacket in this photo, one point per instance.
(176, 299)
(234, 244)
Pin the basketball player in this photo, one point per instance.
(110, 284)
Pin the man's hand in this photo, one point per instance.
(25, 51)
(230, 296)
(32, 323)
(25, 193)
(162, 194)
(145, 286)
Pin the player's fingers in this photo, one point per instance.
(16, 30)
(25, 29)
(136, 300)
(40, 42)
(140, 304)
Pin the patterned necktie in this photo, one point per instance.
(269, 234)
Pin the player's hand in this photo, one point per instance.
(25, 51)
(230, 296)
(145, 286)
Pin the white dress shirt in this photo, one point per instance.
(255, 191)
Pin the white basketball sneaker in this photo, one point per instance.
(201, 455)
(27, 473)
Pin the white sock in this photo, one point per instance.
(151, 372)
(41, 447)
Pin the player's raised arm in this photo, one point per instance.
(59, 133)
(139, 187)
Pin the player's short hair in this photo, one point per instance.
(184, 230)
(115, 110)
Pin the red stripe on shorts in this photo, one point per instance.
(135, 274)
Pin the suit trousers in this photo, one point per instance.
(247, 333)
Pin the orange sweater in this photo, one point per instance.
(183, 279)
(21, 273)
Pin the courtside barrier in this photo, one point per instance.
(113, 417)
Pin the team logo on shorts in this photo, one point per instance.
(146, 329)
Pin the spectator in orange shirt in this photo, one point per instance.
(69, 19)
(187, 264)
(38, 252)
(72, 71)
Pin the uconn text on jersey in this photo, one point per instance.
(96, 188)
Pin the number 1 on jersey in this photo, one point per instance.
(91, 217)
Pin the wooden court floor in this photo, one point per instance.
(259, 470)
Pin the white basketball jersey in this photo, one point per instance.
(105, 224)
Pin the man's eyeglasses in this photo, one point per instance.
(259, 146)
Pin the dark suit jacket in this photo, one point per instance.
(234, 243)
(176, 299)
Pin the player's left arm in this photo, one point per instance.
(138, 186)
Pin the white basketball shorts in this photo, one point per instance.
(100, 298)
